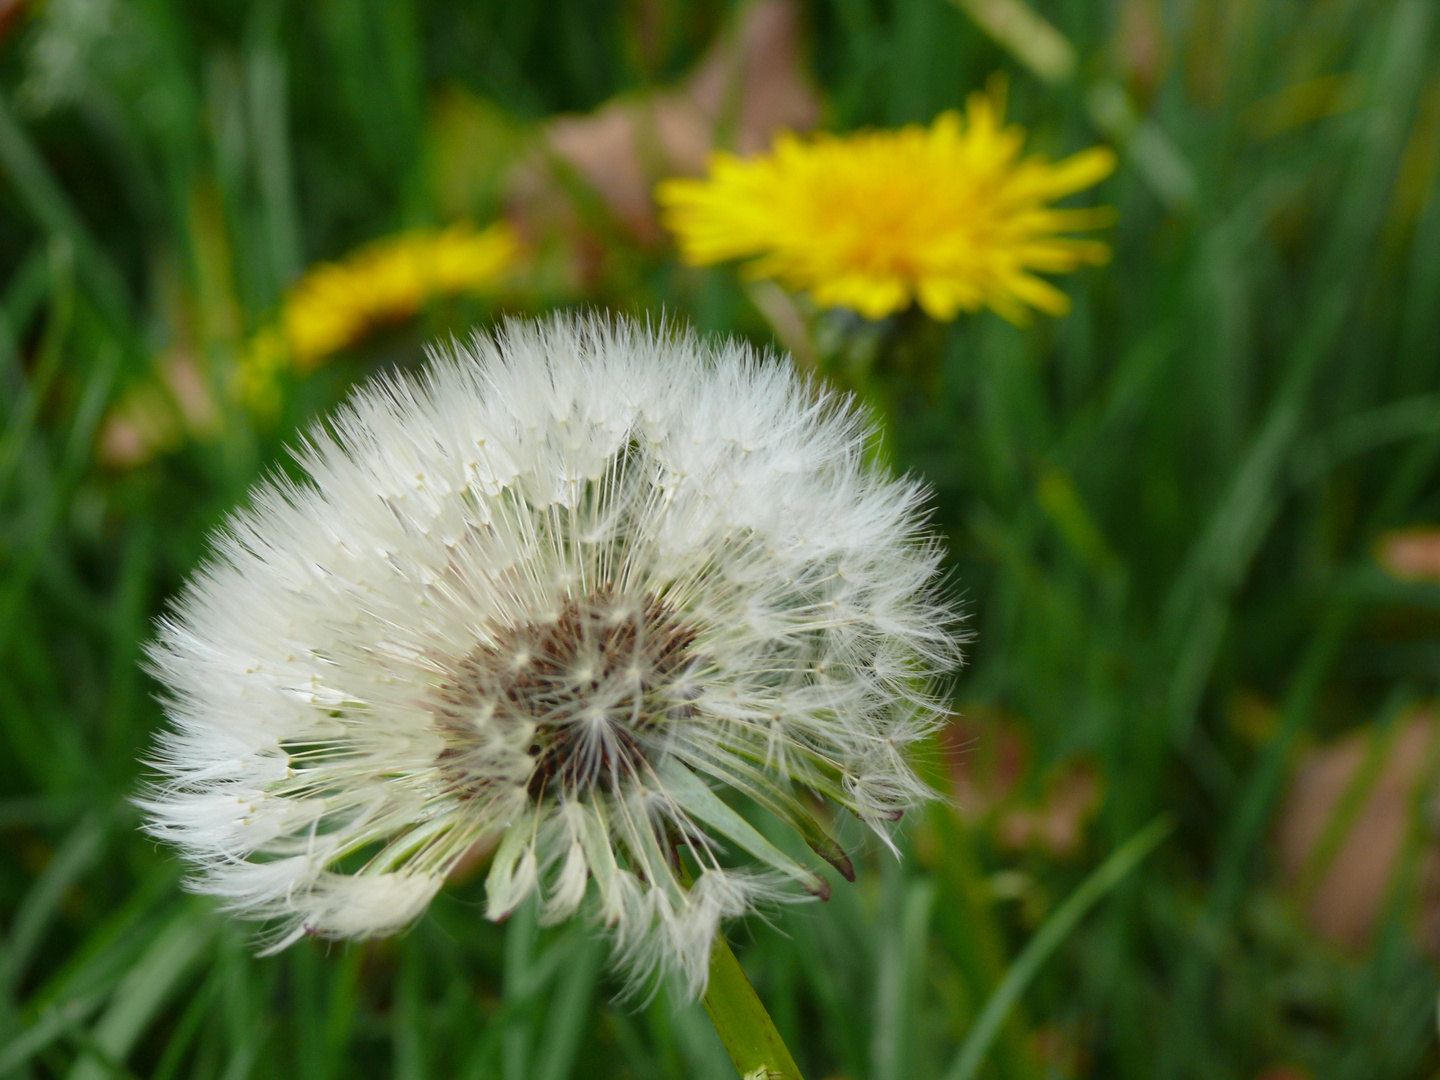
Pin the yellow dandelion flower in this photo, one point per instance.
(262, 360)
(950, 216)
(335, 304)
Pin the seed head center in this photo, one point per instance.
(567, 701)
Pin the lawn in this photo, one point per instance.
(1187, 813)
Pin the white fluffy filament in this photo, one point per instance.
(559, 586)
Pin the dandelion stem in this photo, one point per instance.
(744, 1026)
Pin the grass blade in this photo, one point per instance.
(42, 902)
(52, 1025)
(146, 989)
(1047, 939)
(570, 1011)
(47, 202)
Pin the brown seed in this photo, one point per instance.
(577, 694)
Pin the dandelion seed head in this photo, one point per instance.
(571, 585)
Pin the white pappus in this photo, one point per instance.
(564, 586)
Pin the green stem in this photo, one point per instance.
(744, 1026)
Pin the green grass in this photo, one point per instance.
(1161, 511)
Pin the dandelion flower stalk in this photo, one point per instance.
(579, 586)
(949, 216)
(750, 1036)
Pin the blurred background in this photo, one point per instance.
(1195, 523)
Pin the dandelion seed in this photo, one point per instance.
(949, 216)
(563, 587)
